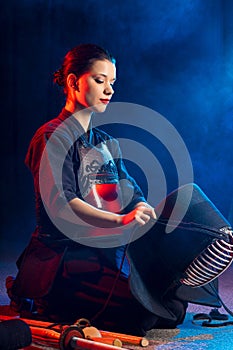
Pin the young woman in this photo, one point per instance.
(67, 279)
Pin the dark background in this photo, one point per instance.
(173, 56)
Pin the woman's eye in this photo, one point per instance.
(99, 81)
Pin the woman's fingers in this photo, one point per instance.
(142, 219)
(144, 214)
(154, 216)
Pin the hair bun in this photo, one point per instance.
(58, 77)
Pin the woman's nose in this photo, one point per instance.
(109, 90)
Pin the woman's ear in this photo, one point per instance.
(72, 81)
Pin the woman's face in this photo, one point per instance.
(95, 88)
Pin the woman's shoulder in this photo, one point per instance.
(57, 126)
(41, 134)
(56, 131)
(50, 126)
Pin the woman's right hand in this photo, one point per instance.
(141, 215)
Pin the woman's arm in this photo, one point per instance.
(141, 214)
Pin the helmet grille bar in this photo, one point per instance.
(211, 263)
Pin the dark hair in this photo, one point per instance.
(79, 60)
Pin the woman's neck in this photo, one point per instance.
(83, 115)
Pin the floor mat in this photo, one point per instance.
(186, 336)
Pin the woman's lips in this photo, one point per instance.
(104, 101)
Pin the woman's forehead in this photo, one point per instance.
(104, 67)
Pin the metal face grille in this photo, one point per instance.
(211, 263)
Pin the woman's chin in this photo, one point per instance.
(99, 108)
